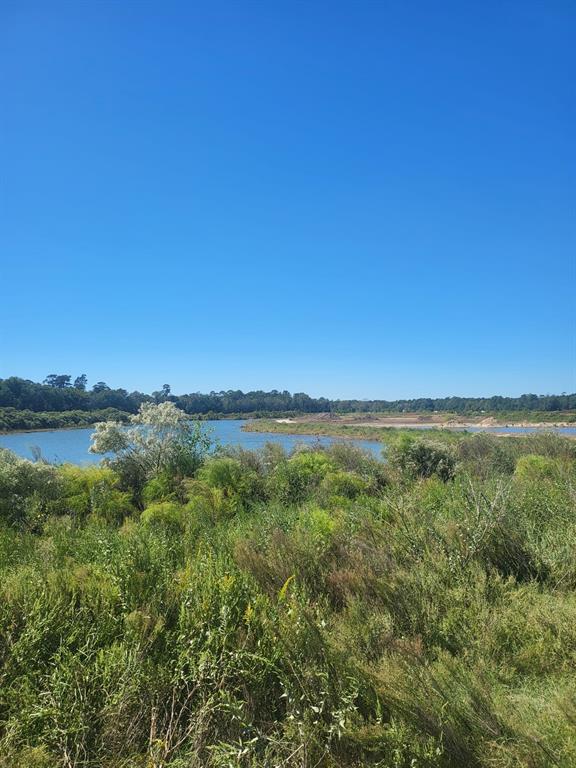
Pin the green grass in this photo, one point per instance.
(385, 435)
(318, 610)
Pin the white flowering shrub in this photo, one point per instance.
(161, 439)
(27, 489)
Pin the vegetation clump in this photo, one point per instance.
(185, 606)
(423, 458)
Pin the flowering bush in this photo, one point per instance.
(161, 439)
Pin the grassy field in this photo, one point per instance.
(314, 610)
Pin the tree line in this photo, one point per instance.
(62, 392)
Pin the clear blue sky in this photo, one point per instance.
(369, 199)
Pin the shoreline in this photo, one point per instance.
(463, 425)
(93, 424)
(45, 429)
(384, 432)
(394, 423)
(323, 426)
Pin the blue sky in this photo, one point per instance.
(356, 199)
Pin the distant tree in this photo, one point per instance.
(58, 381)
(163, 394)
(57, 393)
(80, 382)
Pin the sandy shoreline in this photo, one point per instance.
(423, 423)
(464, 425)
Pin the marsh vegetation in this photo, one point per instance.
(179, 606)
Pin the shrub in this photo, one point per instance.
(294, 480)
(159, 488)
(93, 490)
(164, 515)
(350, 458)
(533, 467)
(161, 441)
(534, 635)
(485, 455)
(240, 485)
(343, 484)
(294, 611)
(421, 458)
(28, 491)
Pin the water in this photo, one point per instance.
(71, 445)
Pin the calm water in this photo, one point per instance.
(71, 445)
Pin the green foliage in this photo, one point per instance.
(162, 444)
(422, 458)
(162, 487)
(93, 490)
(533, 467)
(27, 490)
(486, 455)
(57, 393)
(344, 485)
(292, 481)
(164, 515)
(317, 610)
(240, 485)
(12, 419)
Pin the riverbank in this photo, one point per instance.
(536, 419)
(390, 430)
(44, 429)
(380, 434)
(13, 420)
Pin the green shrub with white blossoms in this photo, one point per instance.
(160, 441)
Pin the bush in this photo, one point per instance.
(93, 490)
(345, 485)
(422, 458)
(240, 485)
(28, 491)
(532, 467)
(485, 455)
(294, 480)
(162, 441)
(164, 515)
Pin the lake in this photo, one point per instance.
(71, 445)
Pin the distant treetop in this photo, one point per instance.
(58, 393)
